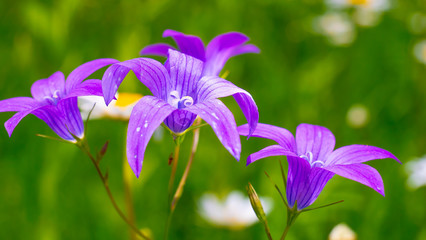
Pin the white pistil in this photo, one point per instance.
(176, 101)
(54, 98)
(309, 157)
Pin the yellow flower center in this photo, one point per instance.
(359, 2)
(126, 99)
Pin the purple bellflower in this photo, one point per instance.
(180, 94)
(218, 51)
(312, 161)
(55, 100)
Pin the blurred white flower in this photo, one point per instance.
(418, 23)
(337, 27)
(118, 109)
(367, 12)
(416, 171)
(342, 232)
(357, 116)
(371, 5)
(233, 212)
(419, 51)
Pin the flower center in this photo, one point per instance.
(54, 98)
(180, 102)
(309, 157)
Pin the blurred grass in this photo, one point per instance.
(51, 191)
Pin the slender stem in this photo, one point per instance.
(268, 232)
(173, 173)
(285, 232)
(182, 182)
(292, 214)
(283, 175)
(278, 189)
(128, 196)
(323, 206)
(104, 178)
(170, 189)
(179, 190)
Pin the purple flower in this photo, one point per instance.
(180, 94)
(218, 51)
(312, 161)
(55, 100)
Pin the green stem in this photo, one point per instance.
(182, 182)
(292, 214)
(128, 195)
(173, 173)
(179, 190)
(83, 145)
(283, 175)
(278, 189)
(267, 230)
(170, 189)
(315, 208)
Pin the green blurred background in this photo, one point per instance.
(50, 190)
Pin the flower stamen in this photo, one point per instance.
(54, 98)
(309, 157)
(176, 101)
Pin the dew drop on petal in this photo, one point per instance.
(146, 124)
(215, 116)
(136, 156)
(138, 129)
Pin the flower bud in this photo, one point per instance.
(255, 203)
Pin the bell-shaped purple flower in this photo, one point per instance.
(312, 161)
(55, 100)
(180, 94)
(217, 53)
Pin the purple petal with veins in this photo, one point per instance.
(312, 161)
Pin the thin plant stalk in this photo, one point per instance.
(179, 190)
(174, 163)
(128, 194)
(292, 214)
(182, 182)
(174, 167)
(83, 145)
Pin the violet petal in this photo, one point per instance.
(55, 119)
(12, 122)
(179, 120)
(17, 104)
(280, 135)
(318, 178)
(211, 87)
(317, 140)
(85, 70)
(220, 118)
(72, 116)
(146, 116)
(49, 90)
(223, 47)
(185, 71)
(157, 49)
(91, 87)
(273, 150)
(297, 179)
(188, 44)
(357, 154)
(361, 173)
(150, 72)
